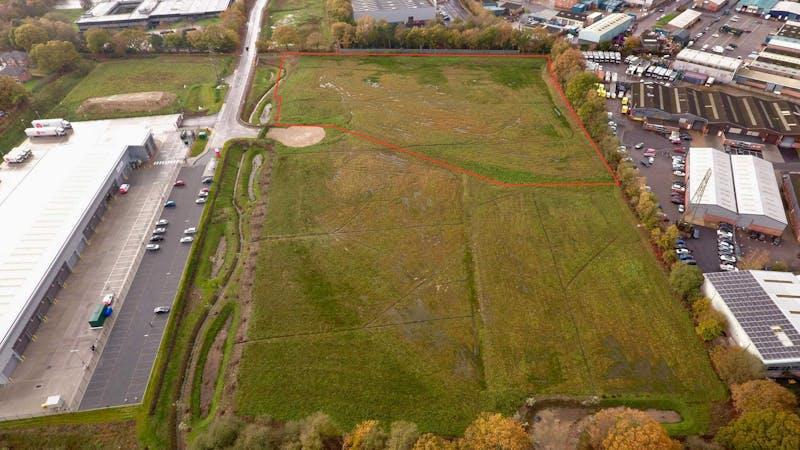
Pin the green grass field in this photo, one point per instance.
(308, 16)
(191, 78)
(390, 288)
(263, 79)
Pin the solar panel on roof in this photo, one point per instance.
(757, 314)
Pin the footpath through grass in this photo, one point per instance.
(392, 289)
(193, 79)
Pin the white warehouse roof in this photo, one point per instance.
(756, 188)
(719, 190)
(43, 200)
(709, 59)
(685, 18)
(789, 7)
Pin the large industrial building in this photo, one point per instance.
(762, 309)
(744, 121)
(685, 19)
(736, 189)
(776, 69)
(52, 203)
(394, 11)
(722, 68)
(147, 13)
(606, 28)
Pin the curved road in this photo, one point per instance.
(228, 125)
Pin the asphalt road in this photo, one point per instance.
(124, 367)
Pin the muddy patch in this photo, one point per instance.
(297, 136)
(251, 191)
(211, 369)
(139, 101)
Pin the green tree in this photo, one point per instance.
(285, 36)
(54, 56)
(316, 430)
(756, 395)
(736, 365)
(156, 42)
(367, 435)
(631, 44)
(646, 209)
(666, 241)
(402, 436)
(314, 40)
(578, 86)
(493, 431)
(762, 429)
(430, 441)
(131, 40)
(592, 114)
(558, 47)
(12, 93)
(685, 280)
(222, 433)
(96, 40)
(625, 428)
(27, 35)
(568, 64)
(710, 328)
(175, 41)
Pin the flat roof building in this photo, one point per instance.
(776, 69)
(784, 10)
(740, 190)
(147, 13)
(685, 19)
(762, 309)
(394, 11)
(711, 5)
(757, 6)
(606, 28)
(56, 199)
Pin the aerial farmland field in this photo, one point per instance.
(453, 245)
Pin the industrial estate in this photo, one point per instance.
(400, 224)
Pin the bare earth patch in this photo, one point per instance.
(135, 102)
(297, 136)
(211, 370)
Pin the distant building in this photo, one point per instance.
(762, 309)
(746, 121)
(685, 19)
(740, 190)
(15, 64)
(776, 69)
(565, 5)
(147, 13)
(645, 3)
(711, 5)
(757, 6)
(784, 10)
(723, 68)
(394, 11)
(606, 29)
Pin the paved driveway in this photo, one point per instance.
(124, 368)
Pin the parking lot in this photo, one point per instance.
(124, 367)
(659, 177)
(755, 27)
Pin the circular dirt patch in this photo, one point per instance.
(297, 136)
(138, 101)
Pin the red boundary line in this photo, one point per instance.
(278, 99)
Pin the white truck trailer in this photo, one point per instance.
(47, 123)
(47, 131)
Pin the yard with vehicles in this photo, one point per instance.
(148, 86)
(475, 254)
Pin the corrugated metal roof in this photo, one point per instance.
(709, 59)
(719, 190)
(756, 187)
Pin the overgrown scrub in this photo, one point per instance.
(210, 336)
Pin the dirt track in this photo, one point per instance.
(297, 136)
(139, 101)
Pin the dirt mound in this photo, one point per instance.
(297, 136)
(136, 102)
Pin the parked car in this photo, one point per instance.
(690, 262)
(202, 194)
(169, 204)
(639, 146)
(682, 251)
(152, 247)
(679, 173)
(676, 200)
(679, 150)
(726, 234)
(776, 241)
(681, 208)
(157, 237)
(695, 233)
(186, 239)
(200, 200)
(725, 226)
(679, 189)
(179, 183)
(162, 223)
(160, 230)
(123, 189)
(727, 258)
(190, 230)
(645, 162)
(161, 310)
(727, 267)
(684, 256)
